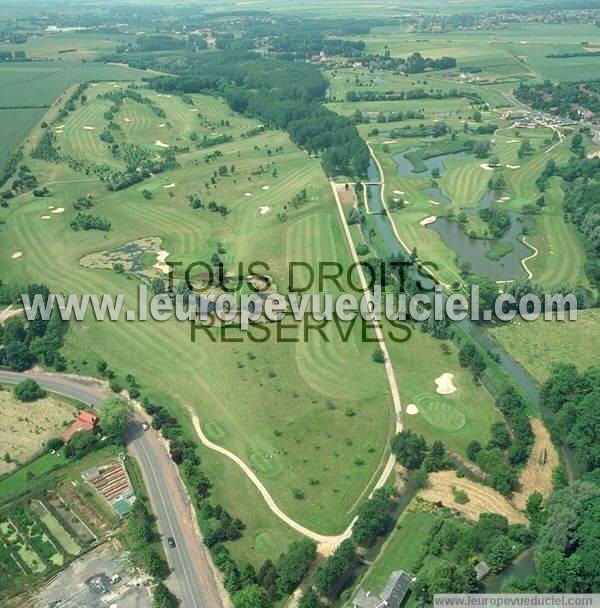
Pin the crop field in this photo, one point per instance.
(518, 50)
(314, 416)
(574, 342)
(24, 429)
(70, 46)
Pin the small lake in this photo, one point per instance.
(405, 168)
(522, 567)
(473, 250)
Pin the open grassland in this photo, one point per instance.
(25, 427)
(312, 416)
(537, 345)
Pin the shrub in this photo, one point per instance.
(28, 390)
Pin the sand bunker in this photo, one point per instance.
(162, 125)
(127, 119)
(264, 209)
(169, 186)
(486, 167)
(44, 217)
(398, 192)
(594, 154)
(58, 132)
(58, 210)
(444, 384)
(161, 264)
(247, 193)
(90, 128)
(513, 166)
(504, 198)
(428, 220)
(265, 187)
(59, 127)
(161, 144)
(434, 202)
(412, 409)
(16, 254)
(512, 141)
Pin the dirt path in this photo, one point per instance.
(525, 260)
(320, 538)
(327, 542)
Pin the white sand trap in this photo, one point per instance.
(172, 185)
(398, 192)
(90, 128)
(513, 166)
(16, 255)
(44, 217)
(412, 409)
(50, 206)
(59, 127)
(390, 141)
(407, 203)
(161, 144)
(434, 202)
(58, 210)
(444, 384)
(192, 110)
(162, 125)
(512, 141)
(594, 154)
(264, 209)
(161, 264)
(247, 193)
(486, 167)
(127, 119)
(428, 220)
(167, 96)
(493, 141)
(265, 187)
(58, 132)
(504, 198)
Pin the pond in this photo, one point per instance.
(405, 168)
(434, 193)
(521, 568)
(474, 251)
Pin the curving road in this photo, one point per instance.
(191, 576)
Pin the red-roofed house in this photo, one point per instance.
(85, 421)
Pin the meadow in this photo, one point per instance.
(538, 345)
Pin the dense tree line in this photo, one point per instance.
(561, 98)
(25, 343)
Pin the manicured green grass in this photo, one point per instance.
(401, 550)
(540, 344)
(280, 406)
(456, 419)
(57, 530)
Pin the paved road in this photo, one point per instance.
(191, 578)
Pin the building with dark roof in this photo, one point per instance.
(391, 596)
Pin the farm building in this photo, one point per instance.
(391, 596)
(112, 482)
(85, 421)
